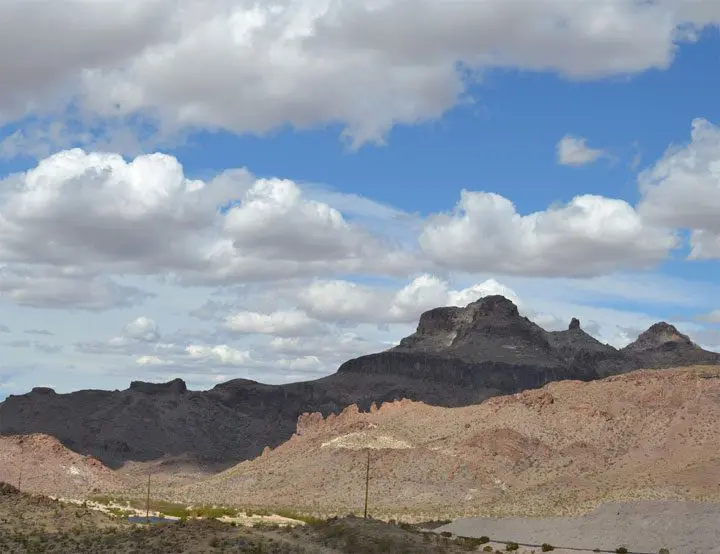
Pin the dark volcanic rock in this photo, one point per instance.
(176, 386)
(662, 345)
(488, 330)
(456, 357)
(657, 336)
(581, 350)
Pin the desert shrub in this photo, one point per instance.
(310, 520)
(664, 551)
(512, 546)
(621, 550)
(547, 547)
(469, 543)
(212, 512)
(484, 539)
(487, 548)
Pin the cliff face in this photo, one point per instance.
(456, 357)
(489, 345)
(488, 330)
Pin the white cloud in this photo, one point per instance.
(150, 360)
(142, 328)
(281, 323)
(223, 354)
(252, 67)
(275, 221)
(341, 301)
(330, 347)
(590, 235)
(352, 303)
(574, 151)
(683, 189)
(144, 217)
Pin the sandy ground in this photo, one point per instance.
(642, 527)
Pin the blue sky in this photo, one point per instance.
(344, 143)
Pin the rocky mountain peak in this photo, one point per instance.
(489, 329)
(42, 390)
(492, 306)
(574, 324)
(659, 334)
(442, 325)
(495, 305)
(176, 386)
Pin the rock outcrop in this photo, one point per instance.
(662, 345)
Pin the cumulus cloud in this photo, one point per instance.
(223, 354)
(252, 67)
(194, 354)
(92, 34)
(588, 236)
(275, 221)
(683, 189)
(574, 151)
(44, 286)
(327, 347)
(281, 323)
(142, 328)
(352, 303)
(108, 215)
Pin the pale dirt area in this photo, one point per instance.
(642, 527)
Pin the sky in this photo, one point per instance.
(232, 189)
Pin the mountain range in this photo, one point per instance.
(456, 357)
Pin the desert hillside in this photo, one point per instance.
(40, 464)
(558, 450)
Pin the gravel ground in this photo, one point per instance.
(642, 527)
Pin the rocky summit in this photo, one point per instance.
(456, 357)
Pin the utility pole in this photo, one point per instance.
(367, 482)
(147, 502)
